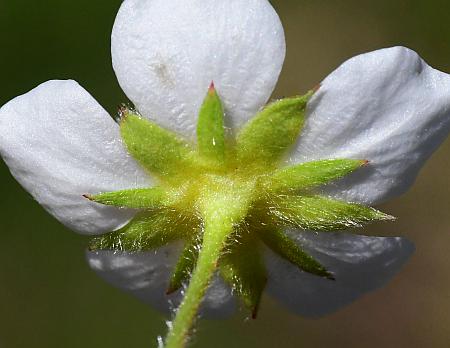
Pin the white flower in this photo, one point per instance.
(387, 106)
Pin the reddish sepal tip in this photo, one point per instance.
(255, 313)
(212, 88)
(88, 197)
(317, 87)
(170, 290)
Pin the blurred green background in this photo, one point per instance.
(50, 298)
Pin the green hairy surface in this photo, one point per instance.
(185, 265)
(242, 267)
(318, 213)
(227, 199)
(309, 175)
(158, 150)
(148, 230)
(138, 198)
(282, 245)
(270, 133)
(210, 129)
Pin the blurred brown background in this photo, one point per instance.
(49, 297)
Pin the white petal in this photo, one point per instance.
(360, 264)
(167, 52)
(60, 144)
(388, 107)
(146, 275)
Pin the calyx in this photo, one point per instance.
(241, 183)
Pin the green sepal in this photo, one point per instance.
(282, 245)
(158, 150)
(152, 197)
(242, 267)
(311, 174)
(147, 231)
(210, 128)
(319, 213)
(266, 138)
(185, 265)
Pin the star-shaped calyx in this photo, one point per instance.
(226, 197)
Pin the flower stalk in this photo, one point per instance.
(216, 233)
(220, 211)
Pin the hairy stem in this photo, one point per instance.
(217, 229)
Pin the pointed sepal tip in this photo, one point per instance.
(212, 88)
